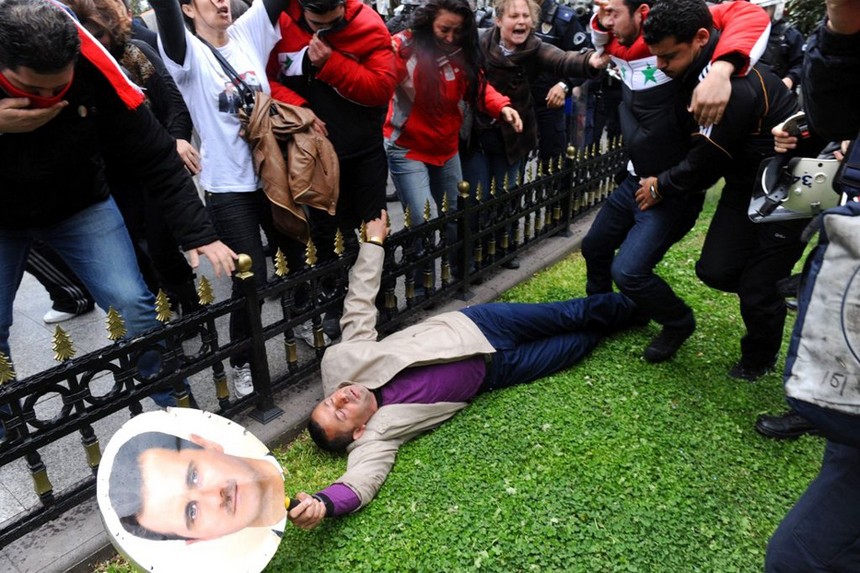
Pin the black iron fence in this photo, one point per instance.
(424, 265)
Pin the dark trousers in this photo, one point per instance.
(552, 132)
(68, 293)
(749, 258)
(238, 218)
(363, 180)
(641, 238)
(821, 533)
(536, 340)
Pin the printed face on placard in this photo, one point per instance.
(205, 491)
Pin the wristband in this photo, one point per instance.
(376, 240)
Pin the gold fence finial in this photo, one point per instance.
(62, 345)
(244, 264)
(204, 292)
(162, 307)
(427, 211)
(115, 324)
(463, 188)
(7, 373)
(407, 218)
(281, 267)
(311, 253)
(445, 203)
(339, 248)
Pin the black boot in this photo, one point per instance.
(786, 426)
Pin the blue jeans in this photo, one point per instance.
(536, 340)
(642, 238)
(480, 166)
(821, 533)
(95, 244)
(418, 182)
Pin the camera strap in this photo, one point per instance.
(247, 94)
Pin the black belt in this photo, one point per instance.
(489, 373)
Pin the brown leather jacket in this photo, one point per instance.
(297, 166)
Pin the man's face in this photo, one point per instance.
(38, 84)
(321, 22)
(346, 410)
(200, 494)
(674, 58)
(625, 26)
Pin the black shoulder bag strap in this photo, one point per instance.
(245, 92)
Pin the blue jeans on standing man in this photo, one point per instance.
(642, 238)
(94, 242)
(536, 340)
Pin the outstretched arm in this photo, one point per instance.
(359, 311)
(171, 29)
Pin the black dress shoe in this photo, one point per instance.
(787, 426)
(331, 325)
(666, 344)
(742, 371)
(391, 197)
(511, 264)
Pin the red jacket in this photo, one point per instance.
(431, 136)
(361, 66)
(745, 28)
(352, 89)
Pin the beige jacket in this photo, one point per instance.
(297, 166)
(360, 359)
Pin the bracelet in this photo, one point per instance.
(654, 193)
(376, 240)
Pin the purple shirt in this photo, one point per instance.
(457, 381)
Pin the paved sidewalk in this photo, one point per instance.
(76, 541)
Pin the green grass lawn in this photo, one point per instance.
(614, 465)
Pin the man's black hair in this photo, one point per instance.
(320, 6)
(125, 487)
(37, 35)
(336, 444)
(680, 19)
(633, 5)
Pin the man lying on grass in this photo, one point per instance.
(381, 394)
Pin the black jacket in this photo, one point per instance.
(784, 51)
(831, 84)
(55, 171)
(735, 147)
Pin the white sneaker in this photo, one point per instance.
(55, 316)
(305, 331)
(243, 384)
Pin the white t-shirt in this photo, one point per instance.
(214, 103)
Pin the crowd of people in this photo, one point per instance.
(95, 139)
